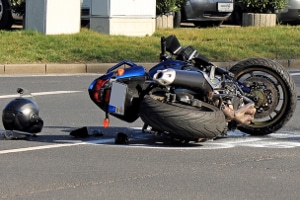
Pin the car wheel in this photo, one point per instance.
(208, 23)
(177, 19)
(6, 19)
(237, 16)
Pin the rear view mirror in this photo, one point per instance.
(172, 45)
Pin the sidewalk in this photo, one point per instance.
(101, 67)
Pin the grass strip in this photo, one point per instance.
(218, 44)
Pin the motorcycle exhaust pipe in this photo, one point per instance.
(194, 80)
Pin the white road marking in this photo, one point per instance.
(52, 146)
(295, 73)
(289, 141)
(38, 94)
(38, 148)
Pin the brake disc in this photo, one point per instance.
(264, 93)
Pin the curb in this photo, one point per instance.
(8, 69)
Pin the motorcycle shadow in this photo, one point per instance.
(127, 136)
(48, 135)
(105, 136)
(134, 137)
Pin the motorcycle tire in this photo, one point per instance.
(183, 121)
(276, 98)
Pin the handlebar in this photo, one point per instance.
(163, 46)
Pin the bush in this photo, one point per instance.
(18, 6)
(168, 6)
(260, 6)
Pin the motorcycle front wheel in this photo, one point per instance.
(273, 91)
(183, 121)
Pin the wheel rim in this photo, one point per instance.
(271, 95)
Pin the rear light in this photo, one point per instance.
(107, 96)
(98, 85)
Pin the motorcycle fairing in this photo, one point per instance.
(133, 77)
(174, 64)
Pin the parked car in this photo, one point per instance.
(204, 12)
(6, 19)
(291, 13)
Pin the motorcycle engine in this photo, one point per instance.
(231, 95)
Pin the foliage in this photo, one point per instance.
(18, 6)
(168, 6)
(260, 6)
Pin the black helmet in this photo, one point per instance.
(22, 114)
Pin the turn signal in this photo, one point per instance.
(105, 122)
(120, 72)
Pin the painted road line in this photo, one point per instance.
(38, 94)
(38, 148)
(295, 73)
(281, 140)
(209, 145)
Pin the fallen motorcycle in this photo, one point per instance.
(188, 98)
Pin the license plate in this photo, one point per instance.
(117, 98)
(225, 7)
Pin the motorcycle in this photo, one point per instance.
(188, 98)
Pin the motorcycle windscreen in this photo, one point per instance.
(172, 45)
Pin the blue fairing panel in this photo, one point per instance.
(174, 64)
(133, 72)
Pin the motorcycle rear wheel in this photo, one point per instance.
(183, 121)
(276, 98)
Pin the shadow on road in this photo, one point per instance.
(133, 137)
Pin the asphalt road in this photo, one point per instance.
(55, 165)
